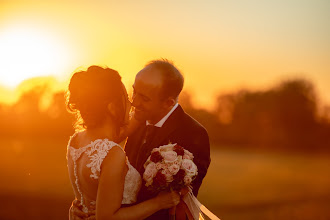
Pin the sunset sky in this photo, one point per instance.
(219, 45)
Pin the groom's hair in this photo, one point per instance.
(172, 78)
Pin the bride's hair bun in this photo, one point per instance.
(91, 91)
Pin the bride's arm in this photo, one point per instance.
(110, 192)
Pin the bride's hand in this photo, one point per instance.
(75, 212)
(133, 123)
(129, 128)
(167, 200)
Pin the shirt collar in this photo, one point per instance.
(163, 120)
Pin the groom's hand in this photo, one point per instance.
(75, 212)
(184, 191)
(93, 217)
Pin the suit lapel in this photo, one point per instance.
(169, 126)
(133, 145)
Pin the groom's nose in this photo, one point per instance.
(135, 101)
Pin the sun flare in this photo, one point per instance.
(28, 52)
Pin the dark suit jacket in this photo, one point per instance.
(179, 128)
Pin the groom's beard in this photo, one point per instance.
(151, 115)
(140, 114)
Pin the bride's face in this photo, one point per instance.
(128, 107)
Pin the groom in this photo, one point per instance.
(155, 98)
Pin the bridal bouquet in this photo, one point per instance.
(169, 167)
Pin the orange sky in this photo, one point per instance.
(218, 45)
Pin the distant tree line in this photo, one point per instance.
(285, 117)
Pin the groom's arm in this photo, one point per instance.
(201, 150)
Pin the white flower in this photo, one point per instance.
(189, 167)
(173, 169)
(155, 150)
(187, 180)
(178, 161)
(159, 165)
(169, 156)
(150, 172)
(168, 175)
(188, 155)
(168, 147)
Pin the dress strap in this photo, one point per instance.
(97, 152)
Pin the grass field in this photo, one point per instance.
(251, 185)
(239, 184)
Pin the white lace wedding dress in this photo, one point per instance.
(84, 165)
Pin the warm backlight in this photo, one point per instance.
(27, 52)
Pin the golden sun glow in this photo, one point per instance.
(27, 52)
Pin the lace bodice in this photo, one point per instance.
(95, 152)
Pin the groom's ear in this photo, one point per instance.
(169, 102)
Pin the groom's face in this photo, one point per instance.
(146, 96)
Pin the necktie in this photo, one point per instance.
(150, 132)
(145, 150)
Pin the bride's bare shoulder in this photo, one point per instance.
(78, 139)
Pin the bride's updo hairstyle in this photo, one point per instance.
(89, 94)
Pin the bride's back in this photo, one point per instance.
(75, 155)
(85, 156)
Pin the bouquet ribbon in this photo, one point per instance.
(192, 208)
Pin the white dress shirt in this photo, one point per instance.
(163, 120)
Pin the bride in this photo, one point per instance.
(103, 180)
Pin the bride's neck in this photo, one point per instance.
(105, 131)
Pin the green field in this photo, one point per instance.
(239, 185)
